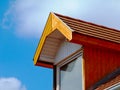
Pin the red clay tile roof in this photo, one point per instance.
(110, 83)
(91, 29)
(110, 80)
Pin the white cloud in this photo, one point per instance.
(29, 16)
(11, 84)
(7, 21)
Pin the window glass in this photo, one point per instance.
(71, 75)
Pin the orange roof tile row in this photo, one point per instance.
(91, 29)
(110, 83)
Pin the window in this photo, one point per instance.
(70, 74)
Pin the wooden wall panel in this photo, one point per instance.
(88, 40)
(98, 63)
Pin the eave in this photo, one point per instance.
(53, 24)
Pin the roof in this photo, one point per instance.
(91, 29)
(59, 28)
(114, 82)
(110, 80)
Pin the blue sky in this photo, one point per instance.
(16, 54)
(21, 24)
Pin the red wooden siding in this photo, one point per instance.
(88, 40)
(101, 57)
(99, 62)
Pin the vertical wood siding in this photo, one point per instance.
(99, 62)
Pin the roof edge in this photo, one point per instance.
(88, 22)
(53, 23)
(43, 37)
(45, 64)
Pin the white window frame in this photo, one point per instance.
(66, 61)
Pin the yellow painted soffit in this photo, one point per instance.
(52, 24)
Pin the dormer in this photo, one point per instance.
(80, 53)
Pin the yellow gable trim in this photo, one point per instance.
(62, 27)
(52, 24)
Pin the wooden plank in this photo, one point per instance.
(46, 31)
(98, 63)
(87, 40)
(53, 23)
(44, 64)
(62, 27)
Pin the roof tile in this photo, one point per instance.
(91, 29)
